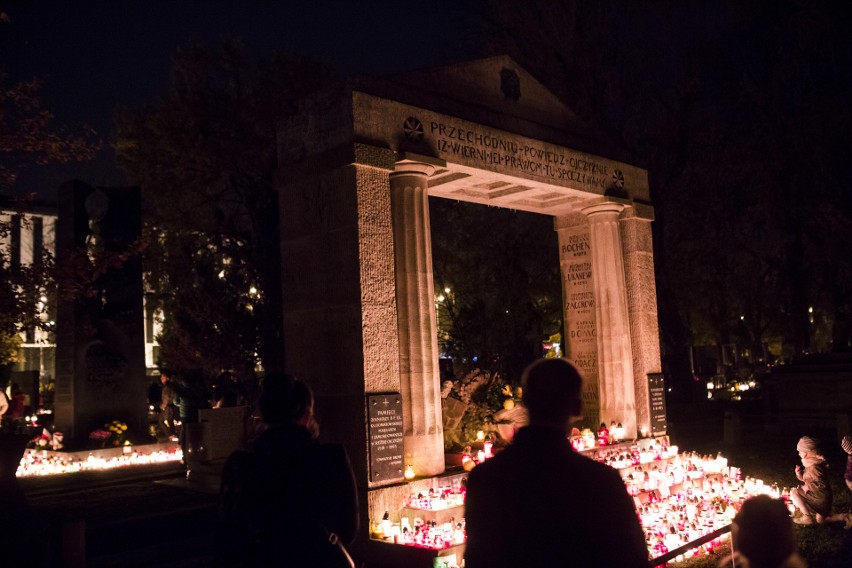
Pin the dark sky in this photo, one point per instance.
(96, 54)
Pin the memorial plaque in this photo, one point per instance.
(386, 437)
(657, 398)
(581, 341)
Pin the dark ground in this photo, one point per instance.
(152, 518)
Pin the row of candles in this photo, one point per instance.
(423, 534)
(685, 496)
(580, 440)
(42, 462)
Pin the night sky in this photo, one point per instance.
(97, 54)
(94, 55)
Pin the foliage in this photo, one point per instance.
(502, 272)
(27, 136)
(204, 154)
(22, 289)
(10, 345)
(484, 394)
(743, 125)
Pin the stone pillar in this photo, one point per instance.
(578, 297)
(635, 223)
(418, 339)
(615, 357)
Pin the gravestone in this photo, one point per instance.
(100, 362)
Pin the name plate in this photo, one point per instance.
(386, 436)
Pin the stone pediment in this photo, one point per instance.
(497, 83)
(494, 91)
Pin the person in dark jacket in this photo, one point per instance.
(189, 395)
(283, 497)
(540, 503)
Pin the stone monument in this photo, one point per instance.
(358, 165)
(100, 360)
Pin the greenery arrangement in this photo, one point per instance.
(481, 395)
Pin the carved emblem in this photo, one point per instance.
(618, 179)
(510, 84)
(413, 129)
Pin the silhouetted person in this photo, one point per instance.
(17, 403)
(813, 497)
(166, 409)
(226, 391)
(189, 396)
(540, 503)
(283, 496)
(762, 535)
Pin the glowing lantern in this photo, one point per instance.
(488, 447)
(618, 432)
(480, 435)
(588, 438)
(603, 435)
(409, 472)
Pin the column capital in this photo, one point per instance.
(408, 167)
(605, 205)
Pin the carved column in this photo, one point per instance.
(418, 339)
(635, 223)
(615, 357)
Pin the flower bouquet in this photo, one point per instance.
(112, 434)
(117, 430)
(100, 436)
